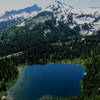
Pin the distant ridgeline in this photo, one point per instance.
(87, 19)
(11, 17)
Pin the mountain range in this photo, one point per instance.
(10, 17)
(87, 21)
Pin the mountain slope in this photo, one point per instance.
(56, 23)
(10, 17)
(87, 19)
(39, 29)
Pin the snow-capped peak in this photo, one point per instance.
(88, 19)
(58, 5)
(59, 11)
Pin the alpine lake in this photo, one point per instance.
(37, 81)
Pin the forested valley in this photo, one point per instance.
(63, 45)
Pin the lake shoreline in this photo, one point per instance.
(77, 61)
(57, 62)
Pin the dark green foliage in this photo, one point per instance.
(61, 43)
(70, 18)
(77, 29)
(8, 72)
(75, 48)
(44, 14)
(85, 26)
(15, 39)
(96, 19)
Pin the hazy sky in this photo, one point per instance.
(18, 4)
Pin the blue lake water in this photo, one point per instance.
(50, 79)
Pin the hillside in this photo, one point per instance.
(54, 24)
(10, 17)
(87, 19)
(59, 33)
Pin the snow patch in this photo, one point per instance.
(22, 24)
